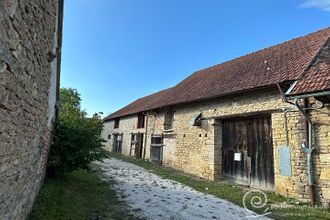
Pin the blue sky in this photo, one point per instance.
(116, 51)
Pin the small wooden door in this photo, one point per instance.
(137, 145)
(156, 149)
(252, 139)
(156, 154)
(117, 143)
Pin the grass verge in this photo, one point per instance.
(279, 206)
(79, 195)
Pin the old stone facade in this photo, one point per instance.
(30, 42)
(254, 120)
(198, 149)
(127, 126)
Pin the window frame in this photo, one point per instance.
(117, 123)
(169, 119)
(141, 120)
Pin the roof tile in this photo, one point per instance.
(317, 77)
(287, 62)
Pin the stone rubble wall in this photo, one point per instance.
(127, 126)
(197, 150)
(28, 87)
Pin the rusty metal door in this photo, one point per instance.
(247, 152)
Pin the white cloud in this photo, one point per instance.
(321, 4)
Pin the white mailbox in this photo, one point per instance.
(238, 156)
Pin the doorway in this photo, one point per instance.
(137, 145)
(156, 149)
(117, 143)
(247, 151)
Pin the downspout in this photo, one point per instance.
(145, 138)
(308, 150)
(286, 127)
(59, 54)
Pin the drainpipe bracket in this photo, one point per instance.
(308, 150)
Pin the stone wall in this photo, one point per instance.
(321, 120)
(296, 186)
(127, 126)
(29, 65)
(197, 150)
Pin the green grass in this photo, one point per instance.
(234, 193)
(79, 195)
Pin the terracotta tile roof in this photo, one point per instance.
(287, 62)
(317, 77)
(152, 101)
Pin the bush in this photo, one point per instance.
(77, 139)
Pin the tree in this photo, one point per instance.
(77, 139)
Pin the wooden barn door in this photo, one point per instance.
(251, 140)
(156, 149)
(117, 143)
(136, 145)
(139, 146)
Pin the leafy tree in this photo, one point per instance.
(77, 139)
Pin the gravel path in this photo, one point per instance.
(159, 198)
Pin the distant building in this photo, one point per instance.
(245, 120)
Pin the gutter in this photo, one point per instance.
(316, 94)
(145, 138)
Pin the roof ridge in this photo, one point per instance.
(263, 49)
(305, 72)
(313, 73)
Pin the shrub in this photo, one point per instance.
(77, 139)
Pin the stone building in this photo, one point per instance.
(30, 55)
(261, 120)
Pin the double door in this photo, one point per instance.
(247, 151)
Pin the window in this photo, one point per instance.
(141, 120)
(197, 120)
(168, 120)
(156, 140)
(109, 136)
(117, 120)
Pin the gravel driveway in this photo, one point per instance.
(160, 198)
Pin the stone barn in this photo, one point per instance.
(261, 120)
(30, 57)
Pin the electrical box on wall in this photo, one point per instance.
(285, 161)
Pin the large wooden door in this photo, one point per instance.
(251, 139)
